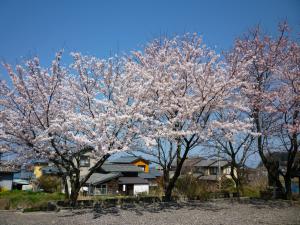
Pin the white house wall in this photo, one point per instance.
(140, 188)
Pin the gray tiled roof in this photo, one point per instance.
(121, 168)
(211, 163)
(23, 174)
(155, 172)
(147, 176)
(189, 162)
(132, 180)
(98, 178)
(126, 159)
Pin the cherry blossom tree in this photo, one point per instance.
(287, 107)
(235, 147)
(264, 62)
(183, 84)
(60, 113)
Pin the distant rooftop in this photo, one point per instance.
(147, 176)
(99, 178)
(120, 168)
(211, 163)
(201, 162)
(126, 159)
(51, 170)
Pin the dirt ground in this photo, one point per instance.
(213, 213)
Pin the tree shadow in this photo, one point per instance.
(263, 204)
(157, 207)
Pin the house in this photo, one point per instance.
(153, 176)
(114, 178)
(205, 169)
(27, 177)
(6, 178)
(212, 169)
(137, 161)
(38, 166)
(23, 178)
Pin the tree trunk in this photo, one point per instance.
(288, 187)
(74, 196)
(299, 186)
(178, 151)
(272, 168)
(166, 179)
(75, 188)
(273, 178)
(171, 185)
(77, 183)
(66, 187)
(237, 181)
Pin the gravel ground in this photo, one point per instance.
(220, 212)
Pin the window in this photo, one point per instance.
(142, 167)
(84, 161)
(101, 190)
(213, 170)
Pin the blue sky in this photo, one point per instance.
(102, 28)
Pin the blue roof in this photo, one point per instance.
(25, 175)
(147, 175)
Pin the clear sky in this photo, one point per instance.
(103, 28)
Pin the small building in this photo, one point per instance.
(6, 178)
(212, 169)
(204, 169)
(114, 178)
(24, 178)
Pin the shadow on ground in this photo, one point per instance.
(140, 209)
(261, 204)
(158, 207)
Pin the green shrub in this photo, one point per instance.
(227, 185)
(251, 191)
(156, 191)
(50, 183)
(191, 187)
(26, 199)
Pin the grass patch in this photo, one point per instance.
(28, 199)
(252, 192)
